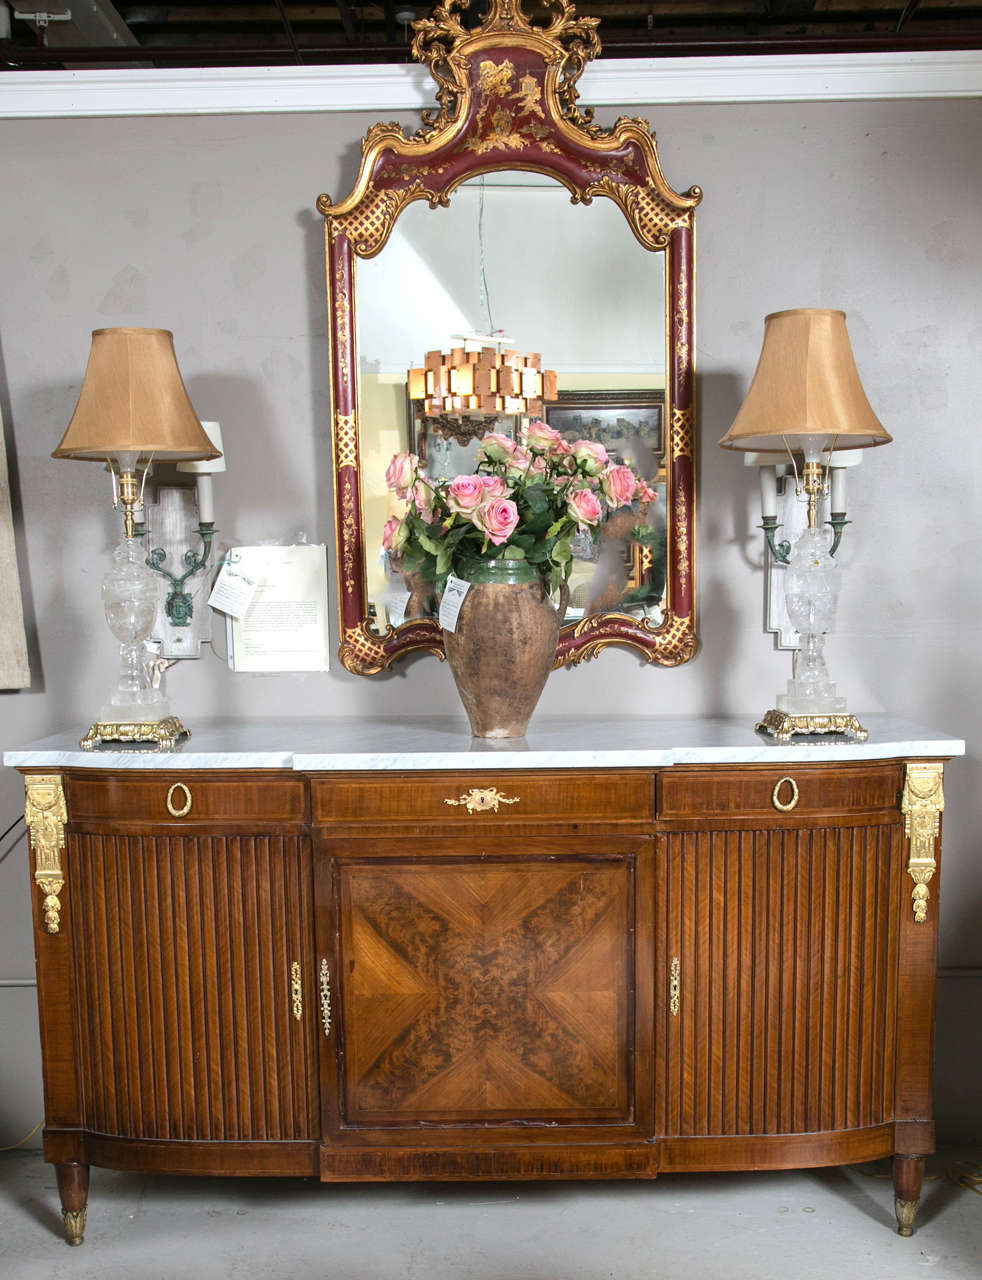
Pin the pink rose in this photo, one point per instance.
(422, 499)
(395, 535)
(401, 472)
(519, 462)
(584, 506)
(465, 495)
(591, 456)
(646, 493)
(494, 487)
(496, 448)
(619, 484)
(497, 519)
(541, 437)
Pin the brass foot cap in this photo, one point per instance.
(74, 1226)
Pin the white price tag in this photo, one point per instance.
(453, 597)
(397, 602)
(233, 591)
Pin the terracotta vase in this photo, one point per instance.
(504, 645)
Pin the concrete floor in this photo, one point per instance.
(829, 1223)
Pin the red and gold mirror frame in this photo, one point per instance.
(508, 100)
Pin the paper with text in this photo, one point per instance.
(284, 627)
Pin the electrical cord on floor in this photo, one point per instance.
(13, 844)
(5, 834)
(967, 1174)
(963, 1173)
(880, 1174)
(23, 1140)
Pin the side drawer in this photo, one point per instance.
(468, 800)
(171, 797)
(754, 791)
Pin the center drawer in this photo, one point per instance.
(613, 797)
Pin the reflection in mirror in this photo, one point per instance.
(512, 258)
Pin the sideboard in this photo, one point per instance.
(371, 952)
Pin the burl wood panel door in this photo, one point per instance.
(782, 1018)
(478, 989)
(184, 955)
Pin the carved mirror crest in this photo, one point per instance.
(508, 116)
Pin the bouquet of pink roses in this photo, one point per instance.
(525, 501)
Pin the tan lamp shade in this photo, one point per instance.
(133, 400)
(806, 384)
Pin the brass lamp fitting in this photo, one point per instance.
(814, 486)
(129, 496)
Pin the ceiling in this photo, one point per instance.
(228, 33)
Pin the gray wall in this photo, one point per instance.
(205, 226)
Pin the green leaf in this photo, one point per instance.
(429, 544)
(540, 553)
(537, 498)
(562, 552)
(444, 560)
(512, 552)
(525, 540)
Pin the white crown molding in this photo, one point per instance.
(615, 82)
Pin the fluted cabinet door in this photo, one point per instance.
(778, 979)
(193, 959)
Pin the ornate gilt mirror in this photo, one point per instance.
(486, 200)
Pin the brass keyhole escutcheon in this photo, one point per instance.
(776, 795)
(172, 808)
(483, 799)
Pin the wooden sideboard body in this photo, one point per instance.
(552, 973)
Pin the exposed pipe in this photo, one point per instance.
(289, 31)
(20, 56)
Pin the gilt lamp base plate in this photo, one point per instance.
(163, 733)
(784, 727)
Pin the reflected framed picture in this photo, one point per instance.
(629, 424)
(626, 569)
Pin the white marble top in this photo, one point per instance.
(557, 743)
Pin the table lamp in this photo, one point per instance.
(807, 401)
(133, 408)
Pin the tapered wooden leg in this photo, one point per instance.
(73, 1187)
(908, 1174)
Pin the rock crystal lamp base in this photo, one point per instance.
(784, 726)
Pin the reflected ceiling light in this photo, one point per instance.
(484, 374)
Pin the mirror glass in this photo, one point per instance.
(512, 256)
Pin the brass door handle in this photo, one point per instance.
(326, 997)
(185, 809)
(296, 990)
(775, 795)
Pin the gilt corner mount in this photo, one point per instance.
(507, 100)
